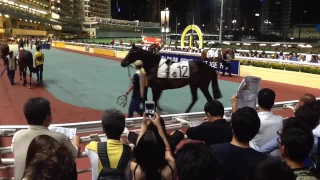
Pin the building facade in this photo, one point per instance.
(152, 11)
(25, 18)
(97, 8)
(231, 15)
(308, 31)
(275, 17)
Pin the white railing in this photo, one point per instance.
(171, 46)
(195, 54)
(278, 61)
(173, 122)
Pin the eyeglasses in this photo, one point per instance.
(278, 138)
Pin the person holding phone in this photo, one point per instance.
(152, 157)
(138, 88)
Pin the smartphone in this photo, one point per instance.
(150, 108)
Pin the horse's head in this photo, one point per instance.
(135, 53)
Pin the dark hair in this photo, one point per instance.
(308, 99)
(196, 161)
(10, 54)
(214, 108)
(150, 153)
(38, 48)
(52, 159)
(297, 140)
(113, 123)
(36, 110)
(273, 168)
(309, 116)
(266, 98)
(245, 124)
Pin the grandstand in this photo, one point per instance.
(114, 28)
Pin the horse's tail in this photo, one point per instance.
(215, 86)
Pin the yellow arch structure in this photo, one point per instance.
(198, 31)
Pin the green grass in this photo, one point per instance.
(108, 40)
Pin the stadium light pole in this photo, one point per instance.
(221, 21)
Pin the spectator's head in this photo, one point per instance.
(37, 111)
(113, 123)
(214, 110)
(309, 116)
(245, 124)
(52, 159)
(296, 141)
(273, 168)
(306, 99)
(196, 161)
(150, 153)
(266, 98)
(38, 48)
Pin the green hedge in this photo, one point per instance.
(280, 66)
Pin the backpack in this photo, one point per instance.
(315, 160)
(108, 173)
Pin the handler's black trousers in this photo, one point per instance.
(225, 65)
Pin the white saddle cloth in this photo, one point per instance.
(177, 70)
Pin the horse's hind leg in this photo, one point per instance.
(194, 94)
(205, 91)
(20, 71)
(156, 93)
(24, 76)
(30, 74)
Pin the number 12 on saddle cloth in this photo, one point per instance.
(178, 70)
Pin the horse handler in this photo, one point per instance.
(39, 60)
(11, 66)
(138, 87)
(227, 64)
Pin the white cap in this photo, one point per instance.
(138, 63)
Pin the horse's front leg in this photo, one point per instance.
(24, 76)
(21, 74)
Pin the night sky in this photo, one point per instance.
(179, 8)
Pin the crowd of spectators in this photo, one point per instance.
(282, 56)
(254, 145)
(308, 58)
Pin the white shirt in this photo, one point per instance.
(270, 125)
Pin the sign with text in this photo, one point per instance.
(235, 65)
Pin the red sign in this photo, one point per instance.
(151, 40)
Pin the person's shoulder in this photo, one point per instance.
(93, 145)
(258, 155)
(19, 135)
(220, 147)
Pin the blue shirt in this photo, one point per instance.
(136, 88)
(274, 145)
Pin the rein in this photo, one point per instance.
(122, 100)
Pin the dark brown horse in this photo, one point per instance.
(200, 76)
(25, 61)
(4, 50)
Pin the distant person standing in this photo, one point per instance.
(39, 60)
(11, 65)
(227, 64)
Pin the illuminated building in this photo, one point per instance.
(152, 11)
(275, 17)
(97, 8)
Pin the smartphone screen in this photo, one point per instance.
(149, 108)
